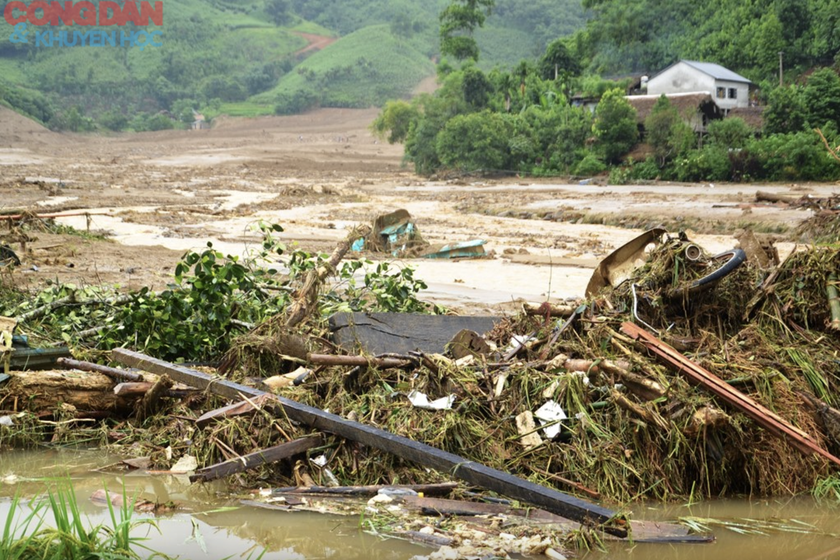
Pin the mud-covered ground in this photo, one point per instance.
(156, 195)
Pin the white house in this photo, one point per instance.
(728, 89)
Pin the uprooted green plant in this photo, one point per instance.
(212, 297)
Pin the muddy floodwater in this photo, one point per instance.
(211, 524)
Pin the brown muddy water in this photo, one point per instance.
(212, 525)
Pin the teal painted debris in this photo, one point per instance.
(394, 233)
(397, 233)
(473, 249)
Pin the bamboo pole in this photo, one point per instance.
(834, 302)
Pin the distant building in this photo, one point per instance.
(200, 123)
(728, 89)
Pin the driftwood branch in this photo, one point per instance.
(832, 151)
(68, 300)
(644, 414)
(113, 373)
(306, 299)
(550, 309)
(363, 361)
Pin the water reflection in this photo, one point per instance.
(808, 531)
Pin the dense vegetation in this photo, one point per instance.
(521, 122)
(524, 121)
(220, 56)
(647, 35)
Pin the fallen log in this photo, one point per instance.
(763, 196)
(473, 473)
(113, 373)
(763, 417)
(253, 460)
(44, 390)
(439, 489)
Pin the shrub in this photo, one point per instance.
(474, 142)
(590, 165)
(615, 125)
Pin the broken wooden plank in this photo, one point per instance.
(438, 489)
(253, 460)
(382, 333)
(113, 373)
(232, 410)
(473, 473)
(439, 506)
(140, 389)
(769, 420)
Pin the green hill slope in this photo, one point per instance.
(363, 69)
(225, 56)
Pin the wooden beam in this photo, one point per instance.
(253, 460)
(464, 469)
(764, 417)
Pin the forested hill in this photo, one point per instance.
(244, 57)
(646, 35)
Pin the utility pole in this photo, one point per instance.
(781, 69)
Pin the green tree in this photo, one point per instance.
(395, 120)
(786, 111)
(475, 142)
(278, 11)
(557, 60)
(476, 87)
(732, 133)
(822, 97)
(458, 22)
(667, 133)
(615, 125)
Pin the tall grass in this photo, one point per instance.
(29, 535)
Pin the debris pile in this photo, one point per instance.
(682, 373)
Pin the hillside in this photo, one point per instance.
(257, 56)
(627, 36)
